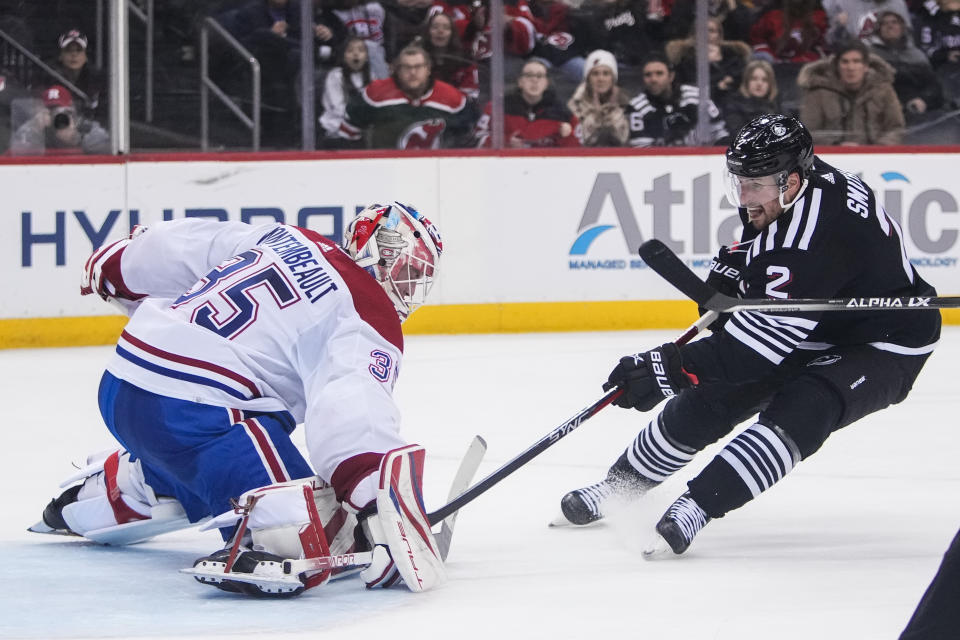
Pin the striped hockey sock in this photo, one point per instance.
(761, 456)
(655, 455)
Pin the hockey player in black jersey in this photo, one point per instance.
(810, 231)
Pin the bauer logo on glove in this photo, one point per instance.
(647, 378)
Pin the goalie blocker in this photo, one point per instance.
(295, 536)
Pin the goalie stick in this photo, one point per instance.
(665, 262)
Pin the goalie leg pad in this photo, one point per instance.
(403, 519)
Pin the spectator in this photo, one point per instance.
(599, 104)
(939, 38)
(410, 110)
(12, 92)
(270, 29)
(473, 24)
(726, 59)
(666, 112)
(849, 99)
(857, 19)
(533, 116)
(735, 18)
(915, 83)
(621, 27)
(404, 22)
(557, 44)
(756, 96)
(57, 129)
(72, 63)
(450, 62)
(329, 33)
(366, 19)
(342, 84)
(795, 32)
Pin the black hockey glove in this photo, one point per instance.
(726, 272)
(649, 377)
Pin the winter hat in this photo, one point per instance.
(600, 58)
(57, 96)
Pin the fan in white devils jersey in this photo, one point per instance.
(238, 333)
(810, 231)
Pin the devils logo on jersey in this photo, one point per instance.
(425, 134)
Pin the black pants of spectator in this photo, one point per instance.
(937, 617)
(279, 64)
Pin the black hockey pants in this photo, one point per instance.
(807, 398)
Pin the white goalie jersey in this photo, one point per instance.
(264, 318)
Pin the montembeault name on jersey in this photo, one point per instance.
(297, 256)
(889, 302)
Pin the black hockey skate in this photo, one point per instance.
(585, 506)
(254, 573)
(52, 519)
(678, 527)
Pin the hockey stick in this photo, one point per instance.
(468, 467)
(666, 263)
(553, 437)
(349, 560)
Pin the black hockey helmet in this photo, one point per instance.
(771, 144)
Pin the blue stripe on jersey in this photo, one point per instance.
(179, 375)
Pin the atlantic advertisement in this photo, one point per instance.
(515, 229)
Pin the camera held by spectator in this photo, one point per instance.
(57, 128)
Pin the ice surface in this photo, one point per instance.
(842, 548)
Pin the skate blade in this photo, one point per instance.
(268, 585)
(561, 521)
(43, 527)
(657, 549)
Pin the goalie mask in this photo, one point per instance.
(399, 247)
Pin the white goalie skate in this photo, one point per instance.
(112, 505)
(277, 525)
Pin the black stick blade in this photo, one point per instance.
(665, 262)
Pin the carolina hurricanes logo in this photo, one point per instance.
(423, 135)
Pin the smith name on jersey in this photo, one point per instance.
(835, 241)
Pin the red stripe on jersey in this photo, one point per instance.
(369, 298)
(193, 362)
(265, 447)
(121, 511)
(351, 472)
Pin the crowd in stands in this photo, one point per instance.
(609, 73)
(598, 73)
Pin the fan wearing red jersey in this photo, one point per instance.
(410, 109)
(533, 116)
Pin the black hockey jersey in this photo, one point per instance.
(835, 241)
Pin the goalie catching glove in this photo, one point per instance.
(280, 546)
(649, 377)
